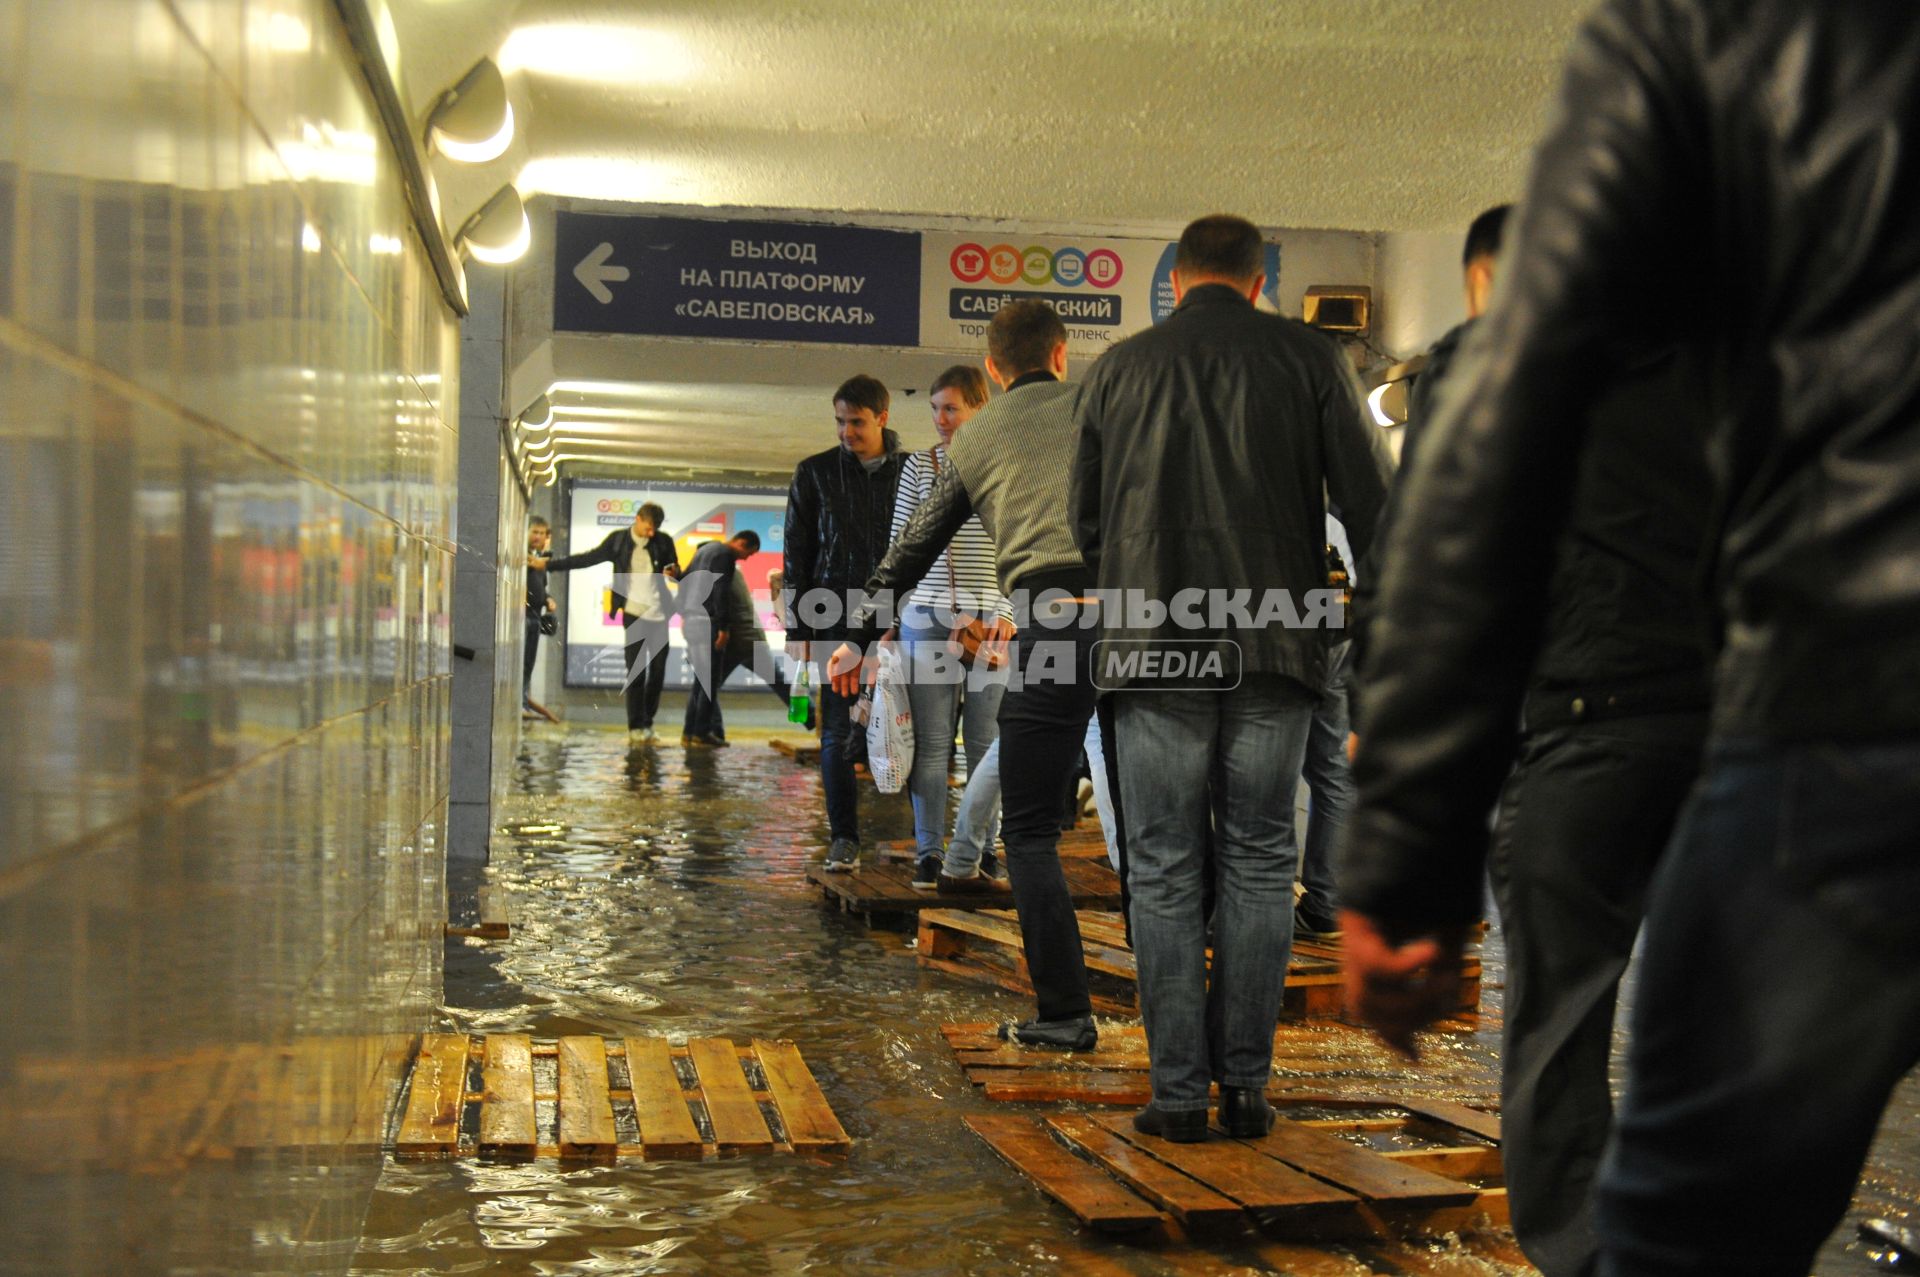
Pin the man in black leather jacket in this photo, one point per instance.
(1735, 174)
(839, 512)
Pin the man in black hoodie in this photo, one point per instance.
(839, 511)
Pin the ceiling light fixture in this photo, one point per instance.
(539, 415)
(1388, 400)
(473, 122)
(499, 233)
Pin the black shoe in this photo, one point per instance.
(1315, 926)
(1185, 1127)
(926, 873)
(974, 884)
(991, 868)
(843, 856)
(1066, 1035)
(1244, 1112)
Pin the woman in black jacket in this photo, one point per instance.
(644, 560)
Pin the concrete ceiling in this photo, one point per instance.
(1360, 115)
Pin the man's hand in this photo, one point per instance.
(720, 639)
(993, 648)
(1353, 746)
(551, 605)
(845, 667)
(1398, 989)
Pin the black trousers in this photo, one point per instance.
(1043, 722)
(703, 712)
(530, 650)
(1583, 820)
(646, 641)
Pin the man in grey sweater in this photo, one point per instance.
(1010, 466)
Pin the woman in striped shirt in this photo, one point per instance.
(963, 580)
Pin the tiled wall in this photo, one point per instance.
(226, 386)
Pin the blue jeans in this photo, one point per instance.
(935, 697)
(836, 762)
(1232, 759)
(1330, 785)
(979, 819)
(1779, 1004)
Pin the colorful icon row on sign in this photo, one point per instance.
(1005, 264)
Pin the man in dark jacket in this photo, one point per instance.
(1208, 445)
(839, 509)
(644, 560)
(706, 609)
(1612, 729)
(1733, 157)
(539, 603)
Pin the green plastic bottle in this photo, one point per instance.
(797, 700)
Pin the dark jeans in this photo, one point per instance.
(1778, 1005)
(1583, 820)
(1330, 786)
(836, 759)
(709, 668)
(1043, 718)
(714, 725)
(646, 648)
(531, 650)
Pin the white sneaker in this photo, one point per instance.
(649, 735)
(638, 735)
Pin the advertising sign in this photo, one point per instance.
(755, 281)
(696, 513)
(1104, 289)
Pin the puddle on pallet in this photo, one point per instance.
(661, 892)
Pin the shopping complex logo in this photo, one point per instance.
(1036, 266)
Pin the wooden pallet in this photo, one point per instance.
(806, 753)
(1083, 842)
(1310, 1058)
(1320, 1173)
(886, 887)
(494, 922)
(984, 944)
(511, 1096)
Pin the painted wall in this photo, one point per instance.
(1418, 281)
(225, 559)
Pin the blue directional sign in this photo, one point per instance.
(754, 281)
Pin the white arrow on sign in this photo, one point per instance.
(594, 273)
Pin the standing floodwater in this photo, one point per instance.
(659, 891)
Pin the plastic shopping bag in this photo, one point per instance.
(890, 726)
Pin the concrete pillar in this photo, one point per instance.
(476, 588)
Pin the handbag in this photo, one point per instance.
(968, 632)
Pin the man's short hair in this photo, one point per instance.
(749, 538)
(536, 523)
(862, 391)
(968, 380)
(1222, 246)
(1483, 237)
(653, 514)
(1023, 336)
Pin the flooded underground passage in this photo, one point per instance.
(876, 637)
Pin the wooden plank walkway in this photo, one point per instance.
(804, 752)
(1300, 1181)
(984, 944)
(1311, 1060)
(886, 887)
(493, 922)
(586, 1098)
(1083, 842)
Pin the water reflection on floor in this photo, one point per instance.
(660, 891)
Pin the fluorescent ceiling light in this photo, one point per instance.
(473, 122)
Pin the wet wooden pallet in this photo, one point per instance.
(984, 944)
(511, 1096)
(1083, 842)
(1319, 1174)
(886, 886)
(805, 752)
(1310, 1058)
(493, 921)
